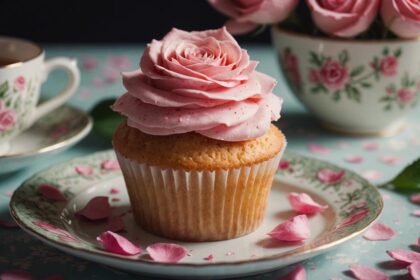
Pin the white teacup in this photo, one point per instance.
(22, 71)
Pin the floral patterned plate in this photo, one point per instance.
(353, 205)
(54, 132)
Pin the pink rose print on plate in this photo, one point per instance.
(328, 176)
(354, 218)
(284, 164)
(19, 83)
(388, 66)
(406, 95)
(7, 117)
(333, 75)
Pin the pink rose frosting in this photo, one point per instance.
(343, 18)
(402, 17)
(199, 81)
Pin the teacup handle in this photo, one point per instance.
(70, 66)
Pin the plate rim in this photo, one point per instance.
(292, 253)
(60, 144)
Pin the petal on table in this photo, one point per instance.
(363, 272)
(378, 232)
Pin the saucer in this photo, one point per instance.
(54, 132)
(353, 204)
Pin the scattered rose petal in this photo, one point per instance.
(416, 213)
(98, 82)
(111, 75)
(115, 224)
(284, 164)
(370, 146)
(363, 272)
(302, 203)
(404, 256)
(51, 193)
(110, 165)
(391, 160)
(119, 61)
(415, 198)
(378, 232)
(354, 159)
(89, 63)
(114, 191)
(297, 273)
(96, 209)
(8, 224)
(117, 244)
(209, 258)
(166, 252)
(318, 149)
(372, 175)
(354, 218)
(294, 229)
(328, 176)
(83, 170)
(15, 274)
(414, 270)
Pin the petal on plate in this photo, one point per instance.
(114, 191)
(51, 193)
(328, 176)
(117, 244)
(96, 209)
(110, 165)
(166, 252)
(83, 170)
(415, 198)
(15, 274)
(294, 229)
(363, 272)
(304, 204)
(209, 258)
(378, 232)
(298, 273)
(404, 256)
(414, 270)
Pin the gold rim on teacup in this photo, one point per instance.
(21, 50)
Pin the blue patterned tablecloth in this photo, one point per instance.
(382, 159)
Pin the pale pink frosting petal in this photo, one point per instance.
(83, 170)
(298, 273)
(117, 244)
(166, 252)
(51, 193)
(15, 274)
(115, 224)
(236, 28)
(97, 208)
(404, 256)
(414, 270)
(363, 272)
(110, 165)
(378, 232)
(318, 149)
(304, 204)
(328, 176)
(294, 229)
(415, 198)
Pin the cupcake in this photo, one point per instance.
(198, 151)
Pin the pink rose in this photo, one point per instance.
(247, 14)
(388, 66)
(20, 83)
(343, 18)
(202, 82)
(333, 75)
(7, 119)
(406, 95)
(402, 17)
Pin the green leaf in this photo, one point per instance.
(398, 52)
(388, 107)
(336, 96)
(357, 71)
(385, 51)
(343, 57)
(366, 85)
(4, 87)
(315, 59)
(408, 179)
(105, 120)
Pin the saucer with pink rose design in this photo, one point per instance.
(53, 132)
(353, 204)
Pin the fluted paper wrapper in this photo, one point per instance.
(198, 205)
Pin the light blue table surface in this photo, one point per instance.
(19, 251)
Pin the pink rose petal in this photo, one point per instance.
(372, 175)
(354, 218)
(89, 63)
(166, 252)
(15, 274)
(110, 165)
(302, 203)
(328, 176)
(209, 258)
(354, 159)
(117, 244)
(51, 193)
(379, 232)
(8, 224)
(391, 160)
(370, 146)
(416, 213)
(414, 270)
(404, 256)
(83, 170)
(294, 229)
(298, 273)
(114, 191)
(363, 272)
(318, 149)
(115, 224)
(284, 164)
(96, 209)
(415, 198)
